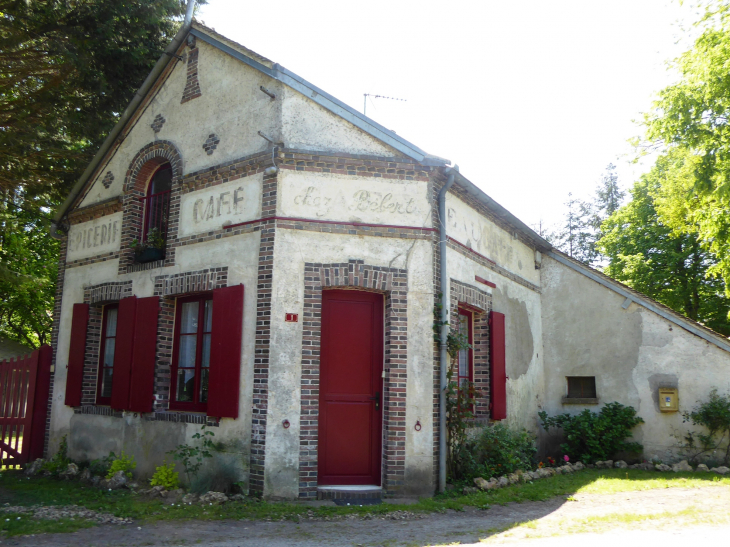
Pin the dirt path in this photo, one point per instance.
(669, 511)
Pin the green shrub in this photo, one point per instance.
(715, 416)
(192, 456)
(60, 460)
(122, 463)
(166, 476)
(495, 450)
(101, 466)
(591, 436)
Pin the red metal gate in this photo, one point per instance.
(24, 388)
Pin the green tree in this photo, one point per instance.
(671, 266)
(573, 234)
(691, 118)
(608, 196)
(581, 226)
(68, 68)
(29, 262)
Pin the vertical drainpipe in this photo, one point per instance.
(444, 357)
(189, 13)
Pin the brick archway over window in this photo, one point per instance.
(147, 160)
(138, 175)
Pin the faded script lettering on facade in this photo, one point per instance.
(473, 230)
(323, 197)
(98, 236)
(209, 209)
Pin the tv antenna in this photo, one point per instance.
(365, 100)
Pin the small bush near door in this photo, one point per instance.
(591, 436)
(493, 451)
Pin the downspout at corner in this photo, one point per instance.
(445, 306)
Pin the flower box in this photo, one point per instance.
(149, 254)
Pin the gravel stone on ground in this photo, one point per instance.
(57, 512)
(399, 528)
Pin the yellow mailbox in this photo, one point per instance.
(668, 399)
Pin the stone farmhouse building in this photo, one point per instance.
(247, 252)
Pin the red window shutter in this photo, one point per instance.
(76, 354)
(497, 370)
(225, 352)
(126, 320)
(143, 356)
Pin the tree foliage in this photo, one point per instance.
(690, 119)
(29, 267)
(671, 266)
(672, 240)
(68, 68)
(580, 230)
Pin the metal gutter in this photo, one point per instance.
(445, 307)
(327, 101)
(162, 62)
(499, 211)
(631, 297)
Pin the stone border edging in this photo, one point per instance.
(545, 472)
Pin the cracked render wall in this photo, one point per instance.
(631, 352)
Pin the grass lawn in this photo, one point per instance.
(16, 489)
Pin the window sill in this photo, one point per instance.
(182, 416)
(580, 401)
(188, 408)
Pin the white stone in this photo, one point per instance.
(682, 466)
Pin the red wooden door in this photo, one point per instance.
(351, 388)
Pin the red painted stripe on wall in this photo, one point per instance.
(361, 224)
(460, 244)
(487, 283)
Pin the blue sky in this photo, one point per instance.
(531, 98)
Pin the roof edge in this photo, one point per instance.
(499, 211)
(635, 296)
(168, 56)
(322, 98)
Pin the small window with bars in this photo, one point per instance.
(582, 388)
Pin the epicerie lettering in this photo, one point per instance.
(96, 236)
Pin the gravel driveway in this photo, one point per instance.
(550, 519)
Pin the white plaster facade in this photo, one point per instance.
(330, 192)
(632, 352)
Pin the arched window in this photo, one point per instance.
(156, 206)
